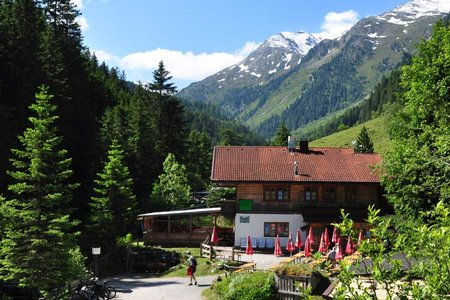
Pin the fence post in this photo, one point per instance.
(210, 252)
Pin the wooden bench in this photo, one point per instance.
(246, 267)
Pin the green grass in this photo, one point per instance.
(377, 129)
(204, 266)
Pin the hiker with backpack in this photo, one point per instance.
(191, 269)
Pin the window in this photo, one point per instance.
(329, 194)
(276, 194)
(310, 194)
(273, 228)
(350, 194)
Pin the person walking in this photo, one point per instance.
(191, 269)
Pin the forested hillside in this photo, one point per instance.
(108, 133)
(382, 98)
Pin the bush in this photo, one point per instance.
(300, 269)
(248, 286)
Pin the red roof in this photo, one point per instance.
(275, 164)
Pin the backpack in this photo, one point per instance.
(194, 262)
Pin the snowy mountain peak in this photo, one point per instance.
(410, 11)
(299, 42)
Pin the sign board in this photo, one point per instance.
(245, 205)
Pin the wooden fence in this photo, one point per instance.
(211, 252)
(287, 286)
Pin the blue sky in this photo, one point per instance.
(197, 38)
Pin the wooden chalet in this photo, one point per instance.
(281, 189)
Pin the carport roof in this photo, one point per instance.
(197, 211)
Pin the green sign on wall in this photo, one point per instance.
(245, 205)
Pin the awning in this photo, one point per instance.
(198, 211)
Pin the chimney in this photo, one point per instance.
(304, 148)
(291, 144)
(296, 173)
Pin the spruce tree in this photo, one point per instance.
(38, 246)
(161, 83)
(114, 204)
(198, 159)
(281, 137)
(363, 143)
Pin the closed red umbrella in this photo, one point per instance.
(322, 247)
(360, 237)
(307, 247)
(339, 253)
(335, 236)
(277, 251)
(290, 245)
(326, 238)
(311, 235)
(214, 238)
(249, 249)
(350, 248)
(298, 240)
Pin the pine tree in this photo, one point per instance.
(160, 82)
(169, 120)
(198, 159)
(114, 204)
(363, 143)
(281, 137)
(38, 248)
(172, 190)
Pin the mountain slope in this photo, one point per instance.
(334, 74)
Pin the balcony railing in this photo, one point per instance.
(291, 207)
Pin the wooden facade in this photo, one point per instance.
(354, 198)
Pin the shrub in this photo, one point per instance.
(248, 286)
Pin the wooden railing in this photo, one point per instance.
(229, 253)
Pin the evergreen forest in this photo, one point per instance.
(83, 149)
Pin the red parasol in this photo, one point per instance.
(350, 248)
(322, 247)
(339, 253)
(326, 238)
(214, 238)
(298, 240)
(335, 236)
(249, 249)
(290, 245)
(360, 237)
(307, 248)
(311, 235)
(277, 251)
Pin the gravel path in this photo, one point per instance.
(144, 286)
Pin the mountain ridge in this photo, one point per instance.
(329, 76)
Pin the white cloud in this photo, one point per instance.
(82, 21)
(106, 57)
(183, 66)
(335, 24)
(248, 48)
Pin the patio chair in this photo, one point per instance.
(243, 243)
(269, 243)
(261, 243)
